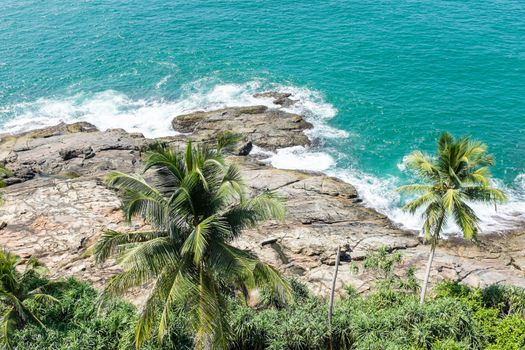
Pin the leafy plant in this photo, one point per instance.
(458, 318)
(74, 324)
(196, 205)
(382, 264)
(17, 290)
(497, 310)
(457, 175)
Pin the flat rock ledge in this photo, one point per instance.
(57, 205)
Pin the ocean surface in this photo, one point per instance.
(377, 78)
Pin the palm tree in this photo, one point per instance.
(196, 206)
(452, 179)
(17, 289)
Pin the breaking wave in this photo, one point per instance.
(152, 117)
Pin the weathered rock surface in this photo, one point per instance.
(55, 215)
(69, 151)
(267, 128)
(279, 98)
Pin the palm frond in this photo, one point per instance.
(134, 276)
(423, 165)
(168, 160)
(138, 198)
(268, 205)
(484, 194)
(188, 157)
(113, 242)
(197, 241)
(415, 188)
(266, 275)
(209, 320)
(152, 254)
(155, 303)
(181, 289)
(444, 141)
(419, 202)
(480, 176)
(8, 325)
(432, 216)
(466, 219)
(249, 212)
(44, 299)
(450, 198)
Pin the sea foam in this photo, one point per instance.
(112, 109)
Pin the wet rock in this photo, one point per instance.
(12, 180)
(279, 98)
(246, 149)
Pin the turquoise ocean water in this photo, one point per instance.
(377, 78)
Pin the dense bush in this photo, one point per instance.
(399, 323)
(498, 311)
(73, 323)
(457, 317)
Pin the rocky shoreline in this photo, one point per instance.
(57, 205)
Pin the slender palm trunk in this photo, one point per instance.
(433, 241)
(332, 293)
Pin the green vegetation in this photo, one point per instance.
(390, 317)
(17, 291)
(196, 205)
(458, 174)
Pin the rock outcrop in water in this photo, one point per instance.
(267, 128)
(57, 205)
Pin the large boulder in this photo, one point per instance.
(264, 127)
(69, 150)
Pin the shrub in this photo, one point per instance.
(509, 334)
(457, 318)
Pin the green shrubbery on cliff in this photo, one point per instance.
(457, 317)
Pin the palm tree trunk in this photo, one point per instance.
(332, 293)
(434, 240)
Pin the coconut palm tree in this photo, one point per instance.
(17, 289)
(196, 205)
(452, 179)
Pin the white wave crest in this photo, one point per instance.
(380, 194)
(299, 157)
(108, 109)
(112, 109)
